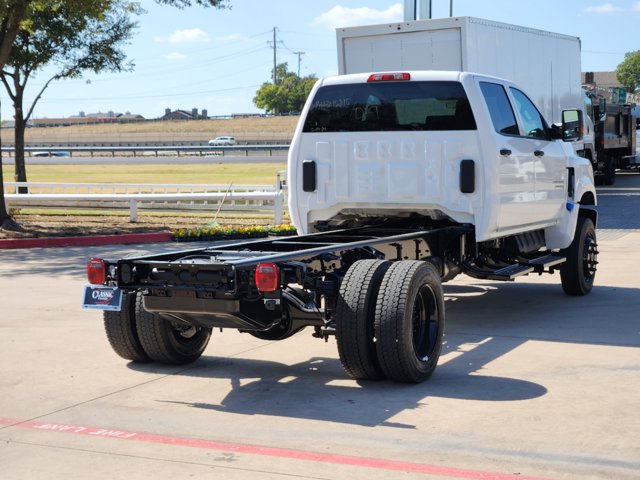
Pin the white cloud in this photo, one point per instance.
(174, 56)
(184, 36)
(348, 17)
(605, 8)
(233, 38)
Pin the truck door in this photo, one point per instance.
(528, 163)
(547, 156)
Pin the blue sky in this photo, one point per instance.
(217, 59)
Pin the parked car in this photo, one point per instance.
(222, 141)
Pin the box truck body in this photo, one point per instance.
(545, 64)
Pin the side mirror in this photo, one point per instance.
(572, 125)
(602, 109)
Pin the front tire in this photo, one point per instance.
(409, 321)
(168, 342)
(355, 313)
(122, 333)
(578, 272)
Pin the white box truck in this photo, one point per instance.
(545, 65)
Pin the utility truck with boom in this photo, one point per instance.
(398, 181)
(615, 129)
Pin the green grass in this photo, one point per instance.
(251, 174)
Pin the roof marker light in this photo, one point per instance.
(389, 77)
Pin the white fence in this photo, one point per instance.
(234, 198)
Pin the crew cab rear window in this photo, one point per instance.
(390, 106)
(502, 116)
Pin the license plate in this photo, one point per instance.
(102, 298)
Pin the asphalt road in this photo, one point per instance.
(152, 160)
(531, 384)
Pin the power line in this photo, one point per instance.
(602, 53)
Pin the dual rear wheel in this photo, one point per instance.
(140, 336)
(390, 320)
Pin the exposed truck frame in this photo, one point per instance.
(274, 288)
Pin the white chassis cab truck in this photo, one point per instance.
(398, 181)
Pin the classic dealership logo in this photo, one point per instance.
(102, 296)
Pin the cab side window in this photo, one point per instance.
(533, 123)
(502, 116)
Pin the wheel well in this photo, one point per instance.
(588, 199)
(589, 213)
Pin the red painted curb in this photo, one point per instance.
(88, 241)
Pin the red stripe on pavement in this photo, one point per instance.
(328, 458)
(88, 241)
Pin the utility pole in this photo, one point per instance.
(275, 43)
(275, 50)
(299, 54)
(275, 60)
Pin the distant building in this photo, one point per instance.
(601, 79)
(607, 85)
(184, 114)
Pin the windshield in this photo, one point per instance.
(390, 106)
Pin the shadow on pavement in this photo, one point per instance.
(485, 322)
(318, 389)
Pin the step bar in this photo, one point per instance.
(538, 265)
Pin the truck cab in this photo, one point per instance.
(444, 146)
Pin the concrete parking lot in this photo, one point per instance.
(531, 384)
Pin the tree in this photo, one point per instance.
(628, 72)
(11, 15)
(75, 39)
(20, 17)
(287, 95)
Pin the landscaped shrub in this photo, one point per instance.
(229, 233)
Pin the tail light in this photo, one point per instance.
(96, 271)
(267, 277)
(389, 77)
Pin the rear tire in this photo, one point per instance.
(578, 272)
(121, 331)
(355, 313)
(609, 171)
(409, 322)
(169, 342)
